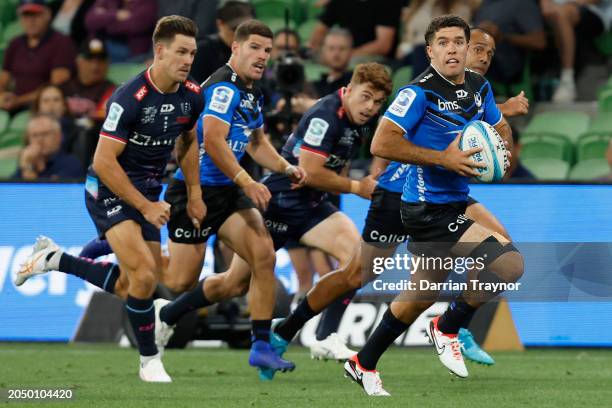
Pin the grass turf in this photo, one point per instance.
(105, 375)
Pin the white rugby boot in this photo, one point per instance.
(331, 348)
(369, 380)
(152, 370)
(36, 263)
(448, 349)
(163, 331)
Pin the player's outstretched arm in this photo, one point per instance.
(389, 143)
(516, 106)
(188, 158)
(107, 168)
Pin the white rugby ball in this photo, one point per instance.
(480, 134)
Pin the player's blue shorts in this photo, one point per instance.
(287, 224)
(107, 210)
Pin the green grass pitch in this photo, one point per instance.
(106, 376)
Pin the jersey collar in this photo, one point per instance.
(150, 80)
(443, 77)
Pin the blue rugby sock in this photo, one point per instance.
(332, 316)
(141, 314)
(95, 249)
(194, 299)
(101, 274)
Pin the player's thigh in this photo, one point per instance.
(337, 236)
(185, 264)
(130, 248)
(301, 261)
(473, 237)
(373, 256)
(244, 231)
(481, 215)
(320, 261)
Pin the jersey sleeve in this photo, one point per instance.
(260, 120)
(492, 114)
(121, 114)
(220, 101)
(407, 108)
(198, 107)
(319, 134)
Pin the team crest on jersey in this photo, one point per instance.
(461, 94)
(141, 93)
(221, 99)
(148, 115)
(348, 138)
(402, 102)
(186, 108)
(316, 132)
(114, 115)
(192, 86)
(478, 99)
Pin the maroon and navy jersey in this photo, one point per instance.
(148, 122)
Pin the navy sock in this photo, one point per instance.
(389, 329)
(296, 320)
(96, 248)
(261, 330)
(332, 316)
(101, 274)
(188, 301)
(141, 314)
(457, 315)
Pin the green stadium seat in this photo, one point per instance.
(568, 124)
(313, 9)
(547, 169)
(8, 11)
(592, 145)
(546, 146)
(273, 9)
(8, 166)
(305, 30)
(5, 119)
(20, 121)
(313, 71)
(602, 123)
(590, 170)
(401, 77)
(12, 138)
(276, 24)
(10, 31)
(119, 73)
(605, 100)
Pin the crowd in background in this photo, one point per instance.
(58, 67)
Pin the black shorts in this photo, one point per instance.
(590, 24)
(434, 228)
(287, 224)
(221, 202)
(383, 225)
(107, 210)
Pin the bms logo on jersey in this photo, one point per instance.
(402, 102)
(449, 106)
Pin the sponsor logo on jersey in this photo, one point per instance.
(348, 138)
(478, 99)
(148, 115)
(192, 86)
(141, 93)
(316, 132)
(402, 102)
(113, 211)
(114, 115)
(194, 233)
(166, 109)
(461, 94)
(275, 226)
(447, 105)
(454, 226)
(425, 78)
(221, 99)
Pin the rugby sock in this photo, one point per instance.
(194, 299)
(332, 316)
(289, 327)
(141, 314)
(96, 248)
(457, 315)
(261, 330)
(389, 329)
(101, 274)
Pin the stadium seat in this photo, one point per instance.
(592, 145)
(20, 121)
(547, 169)
(590, 170)
(605, 100)
(277, 24)
(547, 146)
(10, 31)
(119, 73)
(11, 138)
(401, 77)
(8, 166)
(274, 9)
(306, 28)
(602, 123)
(8, 11)
(5, 119)
(604, 43)
(313, 71)
(568, 124)
(313, 9)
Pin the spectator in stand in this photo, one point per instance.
(373, 24)
(87, 95)
(126, 27)
(70, 19)
(200, 11)
(574, 21)
(41, 55)
(214, 50)
(335, 55)
(517, 27)
(416, 18)
(43, 157)
(51, 101)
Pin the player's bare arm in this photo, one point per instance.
(107, 167)
(188, 159)
(389, 143)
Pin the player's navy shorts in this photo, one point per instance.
(107, 210)
(287, 224)
(440, 225)
(221, 202)
(383, 225)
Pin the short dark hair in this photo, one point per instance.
(169, 26)
(375, 74)
(482, 30)
(252, 27)
(289, 32)
(232, 10)
(445, 21)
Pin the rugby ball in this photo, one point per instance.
(480, 134)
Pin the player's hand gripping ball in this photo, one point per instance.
(494, 154)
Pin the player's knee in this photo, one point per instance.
(180, 285)
(264, 256)
(144, 280)
(513, 265)
(240, 289)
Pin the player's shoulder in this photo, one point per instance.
(191, 87)
(224, 76)
(328, 109)
(474, 78)
(133, 90)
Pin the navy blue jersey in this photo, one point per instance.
(148, 122)
(324, 130)
(394, 177)
(432, 111)
(228, 99)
